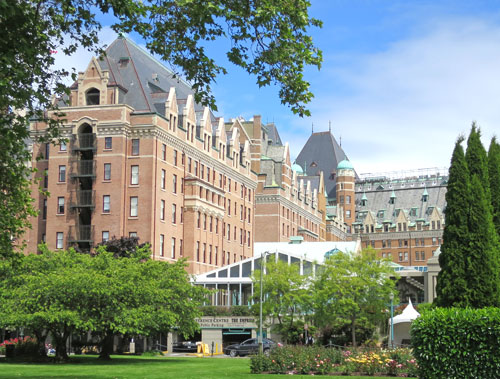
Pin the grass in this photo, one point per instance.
(89, 367)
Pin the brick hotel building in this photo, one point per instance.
(143, 159)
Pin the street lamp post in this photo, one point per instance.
(391, 296)
(262, 266)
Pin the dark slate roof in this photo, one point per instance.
(408, 196)
(146, 81)
(272, 132)
(313, 179)
(322, 153)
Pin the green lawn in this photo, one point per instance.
(88, 367)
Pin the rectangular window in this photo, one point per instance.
(134, 200)
(182, 215)
(197, 251)
(406, 256)
(196, 168)
(173, 248)
(183, 159)
(216, 255)
(198, 219)
(62, 174)
(348, 214)
(162, 210)
(210, 225)
(60, 205)
(229, 184)
(163, 152)
(174, 213)
(134, 175)
(162, 245)
(63, 146)
(59, 240)
(44, 210)
(45, 178)
(105, 236)
(175, 157)
(132, 234)
(162, 180)
(229, 207)
(190, 161)
(47, 150)
(204, 253)
(106, 206)
(210, 254)
(181, 245)
(248, 239)
(174, 183)
(202, 171)
(135, 147)
(204, 222)
(107, 171)
(108, 143)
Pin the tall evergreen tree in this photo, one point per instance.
(452, 285)
(477, 160)
(482, 263)
(494, 175)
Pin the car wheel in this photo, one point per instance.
(233, 353)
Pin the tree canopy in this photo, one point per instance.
(268, 39)
(286, 295)
(350, 288)
(67, 292)
(470, 254)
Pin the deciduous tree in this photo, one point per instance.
(350, 287)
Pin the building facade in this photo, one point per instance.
(139, 157)
(289, 202)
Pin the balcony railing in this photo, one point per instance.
(83, 168)
(82, 199)
(81, 142)
(81, 233)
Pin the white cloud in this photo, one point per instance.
(404, 107)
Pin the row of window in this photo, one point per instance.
(210, 254)
(173, 247)
(210, 223)
(404, 243)
(403, 256)
(285, 212)
(60, 238)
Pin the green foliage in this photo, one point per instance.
(457, 343)
(234, 310)
(469, 259)
(285, 294)
(323, 361)
(66, 292)
(494, 175)
(352, 287)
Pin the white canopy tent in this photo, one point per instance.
(402, 324)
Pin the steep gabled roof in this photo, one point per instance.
(146, 81)
(322, 153)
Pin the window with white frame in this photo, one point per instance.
(60, 205)
(59, 240)
(105, 236)
(106, 203)
(134, 175)
(134, 201)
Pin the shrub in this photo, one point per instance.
(23, 347)
(457, 343)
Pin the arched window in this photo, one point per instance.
(92, 96)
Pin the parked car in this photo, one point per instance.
(250, 346)
(185, 346)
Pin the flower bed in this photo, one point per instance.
(329, 361)
(19, 346)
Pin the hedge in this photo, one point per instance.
(457, 343)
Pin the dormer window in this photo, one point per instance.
(93, 96)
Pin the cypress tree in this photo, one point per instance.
(451, 285)
(482, 263)
(477, 160)
(494, 175)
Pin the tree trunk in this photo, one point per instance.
(60, 340)
(106, 346)
(41, 336)
(353, 331)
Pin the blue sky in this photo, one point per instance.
(399, 82)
